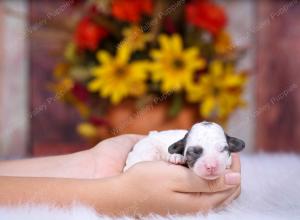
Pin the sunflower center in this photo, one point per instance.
(178, 63)
(216, 91)
(120, 71)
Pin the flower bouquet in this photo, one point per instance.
(135, 54)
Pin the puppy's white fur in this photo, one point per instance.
(210, 136)
(154, 147)
(213, 140)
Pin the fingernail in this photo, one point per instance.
(233, 178)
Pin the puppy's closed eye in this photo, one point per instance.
(195, 151)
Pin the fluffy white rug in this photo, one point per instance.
(270, 190)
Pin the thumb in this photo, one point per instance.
(189, 182)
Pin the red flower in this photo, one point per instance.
(98, 121)
(131, 10)
(169, 25)
(80, 92)
(206, 15)
(89, 34)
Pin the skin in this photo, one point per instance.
(106, 159)
(96, 177)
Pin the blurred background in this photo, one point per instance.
(75, 72)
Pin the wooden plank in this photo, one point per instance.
(55, 123)
(278, 79)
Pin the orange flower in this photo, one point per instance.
(89, 34)
(206, 15)
(131, 10)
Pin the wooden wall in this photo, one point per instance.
(53, 124)
(277, 113)
(278, 78)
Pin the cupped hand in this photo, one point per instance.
(109, 156)
(159, 187)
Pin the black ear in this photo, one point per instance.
(235, 144)
(178, 147)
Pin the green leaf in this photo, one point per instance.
(176, 105)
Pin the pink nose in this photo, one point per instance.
(211, 167)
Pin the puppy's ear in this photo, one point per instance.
(235, 144)
(178, 147)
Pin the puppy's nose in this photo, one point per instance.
(211, 167)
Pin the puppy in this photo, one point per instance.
(205, 148)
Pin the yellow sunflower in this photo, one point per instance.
(173, 65)
(219, 91)
(116, 77)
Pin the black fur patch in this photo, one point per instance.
(179, 146)
(235, 144)
(192, 155)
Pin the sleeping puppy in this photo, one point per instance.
(205, 148)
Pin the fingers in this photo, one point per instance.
(236, 163)
(116, 149)
(205, 202)
(218, 199)
(188, 182)
(135, 137)
(123, 143)
(127, 141)
(233, 196)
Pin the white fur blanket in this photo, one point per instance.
(270, 190)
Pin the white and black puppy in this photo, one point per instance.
(205, 148)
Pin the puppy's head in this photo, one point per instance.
(207, 149)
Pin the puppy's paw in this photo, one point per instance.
(176, 159)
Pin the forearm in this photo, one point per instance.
(75, 165)
(103, 195)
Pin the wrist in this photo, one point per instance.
(80, 165)
(94, 158)
(110, 196)
(103, 162)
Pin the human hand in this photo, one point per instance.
(106, 159)
(110, 155)
(148, 187)
(159, 187)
